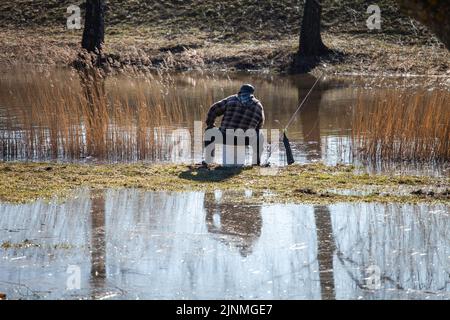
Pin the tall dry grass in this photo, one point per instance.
(62, 114)
(78, 115)
(403, 126)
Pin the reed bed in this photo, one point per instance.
(62, 114)
(55, 114)
(80, 115)
(402, 126)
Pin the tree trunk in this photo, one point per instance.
(94, 26)
(432, 13)
(310, 39)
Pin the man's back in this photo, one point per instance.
(236, 114)
(240, 111)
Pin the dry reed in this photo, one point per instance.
(50, 116)
(400, 126)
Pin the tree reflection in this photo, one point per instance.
(309, 116)
(98, 243)
(325, 251)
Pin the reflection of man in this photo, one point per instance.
(234, 224)
(240, 111)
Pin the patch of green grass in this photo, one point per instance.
(21, 245)
(26, 244)
(24, 182)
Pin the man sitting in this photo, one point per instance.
(241, 111)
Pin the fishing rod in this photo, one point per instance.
(287, 145)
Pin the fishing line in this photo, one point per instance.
(302, 103)
(287, 145)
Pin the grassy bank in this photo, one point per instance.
(236, 35)
(313, 183)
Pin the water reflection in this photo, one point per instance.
(133, 244)
(58, 235)
(98, 244)
(409, 244)
(310, 118)
(325, 251)
(237, 227)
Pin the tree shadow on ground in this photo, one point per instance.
(304, 64)
(210, 174)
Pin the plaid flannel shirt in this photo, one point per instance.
(236, 115)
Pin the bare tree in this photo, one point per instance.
(94, 26)
(310, 43)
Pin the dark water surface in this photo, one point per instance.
(144, 245)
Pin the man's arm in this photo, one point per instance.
(216, 110)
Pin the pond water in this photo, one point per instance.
(43, 116)
(131, 244)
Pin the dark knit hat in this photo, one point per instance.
(247, 88)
